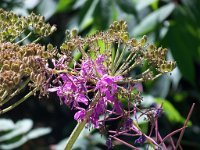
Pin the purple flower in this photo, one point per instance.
(86, 68)
(140, 140)
(128, 123)
(100, 67)
(73, 90)
(80, 115)
(98, 110)
(158, 112)
(108, 88)
(106, 85)
(60, 63)
(82, 99)
(118, 107)
(109, 143)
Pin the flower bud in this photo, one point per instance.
(15, 67)
(5, 67)
(143, 40)
(16, 79)
(45, 55)
(53, 29)
(74, 32)
(49, 47)
(134, 42)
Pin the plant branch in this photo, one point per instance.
(79, 127)
(185, 124)
(24, 38)
(125, 143)
(15, 92)
(18, 102)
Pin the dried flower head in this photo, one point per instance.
(21, 65)
(13, 26)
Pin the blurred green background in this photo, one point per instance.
(174, 24)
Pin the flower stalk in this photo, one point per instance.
(79, 127)
(18, 102)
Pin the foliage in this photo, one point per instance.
(160, 20)
(13, 135)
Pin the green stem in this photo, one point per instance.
(74, 135)
(3, 96)
(126, 64)
(12, 40)
(35, 41)
(16, 92)
(119, 60)
(126, 61)
(116, 55)
(79, 127)
(131, 68)
(24, 38)
(18, 102)
(185, 124)
(129, 80)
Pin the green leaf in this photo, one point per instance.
(114, 12)
(184, 45)
(183, 39)
(21, 127)
(47, 8)
(127, 6)
(64, 5)
(102, 46)
(152, 20)
(86, 15)
(102, 14)
(163, 84)
(141, 4)
(38, 132)
(170, 111)
(6, 124)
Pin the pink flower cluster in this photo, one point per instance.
(90, 76)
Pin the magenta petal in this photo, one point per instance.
(82, 99)
(53, 89)
(118, 107)
(118, 78)
(80, 115)
(100, 67)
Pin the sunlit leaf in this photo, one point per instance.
(161, 87)
(127, 6)
(30, 4)
(170, 111)
(6, 124)
(21, 127)
(102, 14)
(152, 20)
(35, 133)
(64, 5)
(47, 8)
(141, 4)
(86, 17)
(31, 135)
